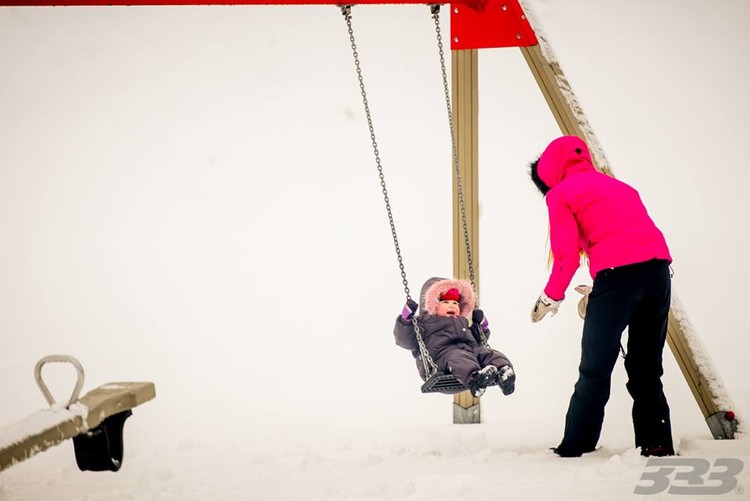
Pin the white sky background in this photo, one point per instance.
(188, 196)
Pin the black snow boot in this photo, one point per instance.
(481, 379)
(506, 379)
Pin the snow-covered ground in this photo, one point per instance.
(188, 196)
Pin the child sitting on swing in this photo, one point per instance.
(452, 333)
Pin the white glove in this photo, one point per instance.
(544, 304)
(585, 290)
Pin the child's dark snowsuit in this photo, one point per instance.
(453, 345)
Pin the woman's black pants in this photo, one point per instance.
(636, 296)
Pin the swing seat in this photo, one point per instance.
(443, 382)
(447, 383)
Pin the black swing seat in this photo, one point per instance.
(445, 382)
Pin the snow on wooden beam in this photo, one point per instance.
(50, 427)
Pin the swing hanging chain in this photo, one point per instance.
(429, 364)
(346, 11)
(435, 10)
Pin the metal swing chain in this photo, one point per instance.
(429, 364)
(435, 10)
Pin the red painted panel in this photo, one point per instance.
(477, 4)
(502, 23)
(475, 24)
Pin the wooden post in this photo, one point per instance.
(700, 376)
(465, 104)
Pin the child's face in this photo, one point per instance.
(447, 308)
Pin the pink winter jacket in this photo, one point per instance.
(592, 212)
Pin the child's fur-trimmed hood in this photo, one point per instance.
(434, 287)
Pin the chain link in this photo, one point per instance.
(435, 10)
(429, 364)
(346, 11)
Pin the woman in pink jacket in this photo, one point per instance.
(594, 214)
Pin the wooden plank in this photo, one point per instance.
(685, 360)
(466, 123)
(50, 427)
(705, 386)
(465, 105)
(562, 101)
(114, 398)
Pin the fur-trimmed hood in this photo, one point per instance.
(429, 298)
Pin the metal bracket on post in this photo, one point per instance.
(466, 409)
(481, 25)
(723, 425)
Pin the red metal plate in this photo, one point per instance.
(500, 24)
